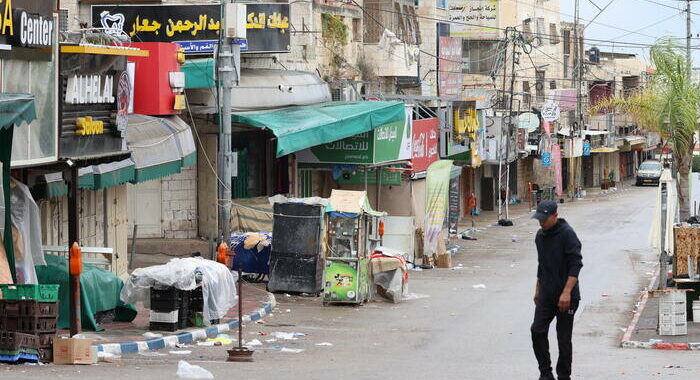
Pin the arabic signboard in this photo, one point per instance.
(551, 112)
(473, 19)
(424, 144)
(453, 210)
(27, 23)
(529, 122)
(390, 178)
(387, 143)
(95, 104)
(450, 67)
(195, 27)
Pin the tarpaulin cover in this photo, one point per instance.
(99, 291)
(301, 127)
(218, 284)
(15, 109)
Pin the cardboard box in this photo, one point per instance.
(73, 351)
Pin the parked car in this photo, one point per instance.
(649, 173)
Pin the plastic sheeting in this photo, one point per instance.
(671, 215)
(26, 232)
(218, 284)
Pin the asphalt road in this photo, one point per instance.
(456, 331)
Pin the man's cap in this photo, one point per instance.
(545, 209)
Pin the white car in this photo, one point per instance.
(649, 173)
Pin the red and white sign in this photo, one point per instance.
(424, 144)
(450, 67)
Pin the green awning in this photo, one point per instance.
(15, 109)
(199, 73)
(160, 146)
(301, 127)
(49, 186)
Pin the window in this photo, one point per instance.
(478, 57)
(540, 28)
(442, 4)
(566, 66)
(553, 34)
(566, 34)
(539, 85)
(357, 29)
(552, 85)
(630, 85)
(526, 92)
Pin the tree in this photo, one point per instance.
(669, 105)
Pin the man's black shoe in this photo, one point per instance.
(548, 376)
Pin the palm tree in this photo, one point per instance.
(669, 105)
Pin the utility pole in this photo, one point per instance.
(510, 124)
(688, 37)
(575, 129)
(226, 73)
(500, 132)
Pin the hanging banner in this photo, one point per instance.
(529, 122)
(473, 19)
(27, 23)
(454, 209)
(586, 148)
(436, 202)
(546, 159)
(424, 144)
(551, 112)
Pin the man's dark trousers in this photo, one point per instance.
(544, 314)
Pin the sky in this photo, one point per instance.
(650, 19)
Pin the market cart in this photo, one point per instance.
(353, 231)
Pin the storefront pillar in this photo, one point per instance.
(73, 237)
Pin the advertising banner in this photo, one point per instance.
(424, 144)
(436, 202)
(387, 143)
(476, 19)
(27, 23)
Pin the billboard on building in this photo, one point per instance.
(473, 19)
(196, 27)
(425, 144)
(450, 67)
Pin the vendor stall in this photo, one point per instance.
(353, 230)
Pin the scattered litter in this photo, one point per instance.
(672, 366)
(514, 240)
(417, 269)
(221, 340)
(287, 295)
(324, 344)
(288, 336)
(270, 340)
(479, 286)
(208, 343)
(186, 370)
(151, 335)
(180, 352)
(260, 322)
(605, 295)
(182, 345)
(414, 296)
(623, 329)
(458, 267)
(288, 311)
(292, 350)
(512, 265)
(275, 347)
(108, 357)
(253, 342)
(152, 354)
(262, 333)
(655, 341)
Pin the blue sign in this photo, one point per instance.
(242, 42)
(193, 47)
(546, 159)
(586, 148)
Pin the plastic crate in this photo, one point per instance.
(13, 341)
(29, 324)
(161, 326)
(17, 308)
(167, 317)
(166, 300)
(20, 356)
(197, 300)
(46, 340)
(41, 292)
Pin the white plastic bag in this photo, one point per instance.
(186, 370)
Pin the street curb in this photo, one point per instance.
(626, 338)
(187, 336)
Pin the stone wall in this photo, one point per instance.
(180, 204)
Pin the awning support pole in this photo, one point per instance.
(74, 237)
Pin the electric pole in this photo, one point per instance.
(576, 127)
(226, 73)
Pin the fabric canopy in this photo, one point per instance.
(160, 146)
(301, 127)
(15, 109)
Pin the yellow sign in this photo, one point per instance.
(262, 20)
(179, 102)
(7, 23)
(175, 26)
(87, 126)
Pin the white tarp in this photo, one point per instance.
(218, 284)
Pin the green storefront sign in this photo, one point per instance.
(358, 178)
(386, 143)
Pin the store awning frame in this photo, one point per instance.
(301, 127)
(16, 109)
(604, 149)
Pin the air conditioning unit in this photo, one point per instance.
(235, 20)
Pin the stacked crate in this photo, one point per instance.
(672, 312)
(28, 311)
(169, 309)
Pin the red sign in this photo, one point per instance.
(424, 143)
(450, 67)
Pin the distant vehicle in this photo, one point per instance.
(649, 173)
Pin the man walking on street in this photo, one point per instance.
(556, 292)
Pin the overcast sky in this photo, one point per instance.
(635, 16)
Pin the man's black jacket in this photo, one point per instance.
(558, 257)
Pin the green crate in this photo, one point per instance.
(41, 292)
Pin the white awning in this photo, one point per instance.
(589, 132)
